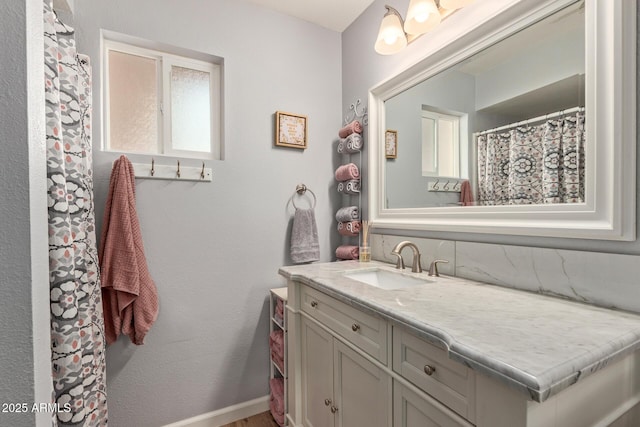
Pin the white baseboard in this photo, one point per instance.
(226, 415)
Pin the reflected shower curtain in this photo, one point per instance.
(77, 325)
(533, 164)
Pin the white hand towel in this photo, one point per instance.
(304, 237)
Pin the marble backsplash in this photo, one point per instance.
(603, 279)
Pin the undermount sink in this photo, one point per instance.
(385, 279)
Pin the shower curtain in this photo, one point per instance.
(533, 164)
(77, 324)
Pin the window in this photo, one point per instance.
(440, 144)
(161, 103)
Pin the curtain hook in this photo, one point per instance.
(178, 171)
(153, 166)
(202, 172)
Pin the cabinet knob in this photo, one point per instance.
(327, 402)
(429, 370)
(333, 409)
(314, 304)
(355, 327)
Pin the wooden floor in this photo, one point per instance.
(263, 419)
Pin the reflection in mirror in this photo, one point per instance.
(509, 120)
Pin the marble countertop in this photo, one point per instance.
(537, 344)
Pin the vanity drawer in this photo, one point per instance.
(430, 369)
(364, 330)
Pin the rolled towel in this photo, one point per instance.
(353, 127)
(351, 144)
(351, 228)
(348, 213)
(347, 252)
(347, 172)
(354, 143)
(349, 187)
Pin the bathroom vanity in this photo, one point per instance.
(370, 345)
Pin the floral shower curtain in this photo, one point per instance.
(533, 164)
(77, 324)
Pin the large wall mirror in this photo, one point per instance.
(525, 125)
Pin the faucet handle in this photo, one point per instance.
(433, 268)
(400, 262)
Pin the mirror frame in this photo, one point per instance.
(608, 212)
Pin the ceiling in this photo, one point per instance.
(335, 15)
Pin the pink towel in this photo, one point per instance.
(347, 252)
(351, 228)
(347, 172)
(277, 359)
(276, 342)
(466, 196)
(353, 127)
(276, 400)
(129, 296)
(277, 391)
(279, 312)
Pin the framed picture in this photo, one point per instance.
(291, 130)
(391, 144)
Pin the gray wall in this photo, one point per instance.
(214, 248)
(363, 69)
(25, 358)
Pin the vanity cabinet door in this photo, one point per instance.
(317, 375)
(340, 387)
(362, 390)
(412, 410)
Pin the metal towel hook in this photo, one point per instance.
(202, 172)
(153, 166)
(178, 171)
(446, 186)
(435, 184)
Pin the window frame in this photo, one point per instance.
(164, 63)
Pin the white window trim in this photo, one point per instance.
(164, 63)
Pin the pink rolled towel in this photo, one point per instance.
(351, 228)
(347, 252)
(353, 127)
(347, 172)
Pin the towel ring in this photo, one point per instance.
(302, 189)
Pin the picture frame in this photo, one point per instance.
(291, 130)
(391, 144)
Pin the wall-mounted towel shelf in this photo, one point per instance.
(175, 172)
(445, 185)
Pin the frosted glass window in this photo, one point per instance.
(190, 109)
(440, 144)
(162, 103)
(133, 103)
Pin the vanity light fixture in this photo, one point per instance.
(422, 16)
